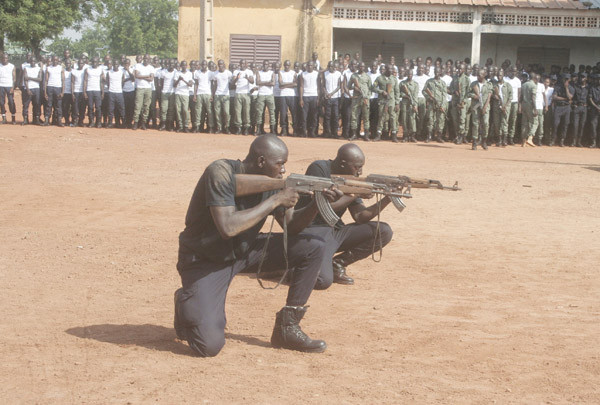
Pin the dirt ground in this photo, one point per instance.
(485, 295)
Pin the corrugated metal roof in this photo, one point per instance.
(553, 4)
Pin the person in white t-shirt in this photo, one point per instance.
(79, 102)
(265, 80)
(24, 94)
(8, 83)
(374, 73)
(68, 99)
(203, 83)
(288, 82)
(32, 77)
(515, 105)
(115, 78)
(93, 91)
(144, 78)
(128, 92)
(276, 66)
(331, 86)
(421, 78)
(220, 90)
(167, 96)
(54, 89)
(347, 93)
(309, 97)
(243, 79)
(184, 79)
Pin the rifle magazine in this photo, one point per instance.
(325, 209)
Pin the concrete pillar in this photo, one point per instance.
(476, 37)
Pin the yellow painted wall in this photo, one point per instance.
(259, 17)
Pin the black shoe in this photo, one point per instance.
(439, 139)
(111, 125)
(14, 120)
(273, 130)
(394, 137)
(561, 143)
(484, 145)
(339, 273)
(245, 131)
(474, 145)
(4, 120)
(99, 125)
(238, 131)
(288, 335)
(186, 131)
(510, 142)
(143, 126)
(261, 130)
(162, 127)
(46, 123)
(25, 121)
(135, 126)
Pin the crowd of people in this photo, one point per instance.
(416, 100)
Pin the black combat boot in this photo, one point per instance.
(377, 136)
(273, 130)
(484, 144)
(428, 137)
(353, 134)
(593, 145)
(394, 137)
(561, 143)
(25, 121)
(339, 271)
(474, 145)
(36, 120)
(288, 335)
(439, 139)
(14, 120)
(578, 142)
(4, 120)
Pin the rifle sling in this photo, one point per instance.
(377, 233)
(263, 254)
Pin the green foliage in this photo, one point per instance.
(30, 22)
(91, 39)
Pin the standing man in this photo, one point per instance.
(421, 78)
(594, 99)
(563, 93)
(529, 114)
(32, 76)
(515, 107)
(128, 93)
(68, 99)
(203, 79)
(167, 96)
(410, 93)
(361, 82)
(374, 73)
(435, 93)
(309, 97)
(8, 83)
(221, 239)
(24, 93)
(386, 86)
(288, 81)
(481, 92)
(144, 77)
(579, 104)
(347, 93)
(541, 107)
(242, 79)
(184, 79)
(265, 80)
(93, 91)
(79, 102)
(54, 89)
(114, 79)
(501, 101)
(331, 86)
(277, 93)
(220, 91)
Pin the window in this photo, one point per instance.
(254, 48)
(544, 56)
(370, 50)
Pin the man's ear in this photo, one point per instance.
(260, 162)
(342, 163)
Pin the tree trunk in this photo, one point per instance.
(2, 43)
(36, 47)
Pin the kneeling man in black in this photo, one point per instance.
(353, 241)
(222, 238)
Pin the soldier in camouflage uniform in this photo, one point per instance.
(435, 92)
(410, 92)
(385, 86)
(462, 103)
(501, 103)
(360, 101)
(481, 92)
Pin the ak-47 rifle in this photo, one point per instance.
(399, 183)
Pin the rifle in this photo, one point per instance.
(373, 187)
(395, 183)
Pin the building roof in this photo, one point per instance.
(548, 4)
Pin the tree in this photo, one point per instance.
(141, 26)
(30, 22)
(91, 39)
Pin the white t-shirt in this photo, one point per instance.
(143, 71)
(276, 89)
(105, 69)
(155, 71)
(32, 72)
(287, 78)
(515, 84)
(421, 80)
(348, 75)
(167, 78)
(332, 81)
(68, 81)
(77, 80)
(54, 76)
(373, 77)
(242, 85)
(129, 85)
(203, 79)
(539, 96)
(93, 78)
(265, 77)
(115, 81)
(222, 79)
(549, 92)
(183, 89)
(309, 84)
(447, 79)
(6, 75)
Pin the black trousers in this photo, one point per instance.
(374, 116)
(68, 108)
(6, 94)
(79, 106)
(53, 102)
(34, 99)
(288, 103)
(115, 102)
(331, 120)
(594, 115)
(562, 114)
(94, 105)
(346, 116)
(129, 98)
(200, 305)
(310, 115)
(354, 239)
(579, 119)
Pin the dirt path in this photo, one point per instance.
(490, 294)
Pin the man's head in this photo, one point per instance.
(221, 65)
(55, 60)
(68, 64)
(243, 64)
(310, 66)
(481, 75)
(330, 67)
(349, 160)
(409, 75)
(4, 58)
(438, 72)
(361, 67)
(287, 65)
(67, 54)
(183, 66)
(146, 59)
(267, 156)
(315, 56)
(95, 62)
(33, 61)
(116, 65)
(266, 65)
(501, 75)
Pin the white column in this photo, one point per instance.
(476, 37)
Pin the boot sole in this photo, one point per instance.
(316, 350)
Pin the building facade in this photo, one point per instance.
(549, 32)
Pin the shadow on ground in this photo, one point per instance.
(152, 337)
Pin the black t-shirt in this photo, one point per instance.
(216, 187)
(322, 168)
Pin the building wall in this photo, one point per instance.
(458, 45)
(301, 32)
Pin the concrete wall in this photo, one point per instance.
(301, 33)
(458, 45)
